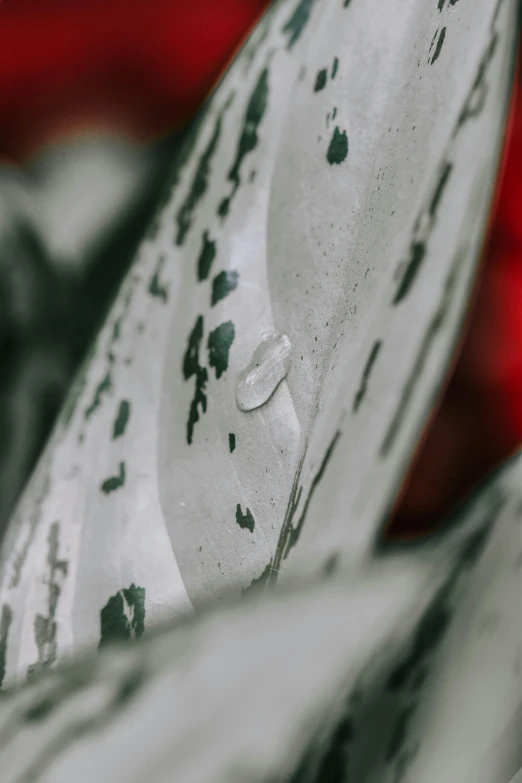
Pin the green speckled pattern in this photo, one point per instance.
(346, 212)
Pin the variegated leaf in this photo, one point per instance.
(408, 671)
(334, 191)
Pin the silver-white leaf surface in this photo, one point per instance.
(406, 671)
(335, 190)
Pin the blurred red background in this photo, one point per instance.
(141, 68)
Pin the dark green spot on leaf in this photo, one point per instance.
(320, 80)
(113, 483)
(45, 625)
(6, 619)
(246, 520)
(123, 616)
(219, 343)
(440, 188)
(121, 420)
(191, 358)
(361, 393)
(206, 257)
(338, 148)
(198, 401)
(191, 367)
(199, 183)
(223, 284)
(417, 254)
(156, 288)
(297, 22)
(248, 139)
(40, 709)
(103, 387)
(438, 48)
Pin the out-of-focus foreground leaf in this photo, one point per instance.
(408, 671)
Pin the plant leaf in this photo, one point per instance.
(347, 216)
(387, 674)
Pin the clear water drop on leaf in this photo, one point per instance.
(270, 363)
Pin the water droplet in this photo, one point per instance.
(270, 363)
